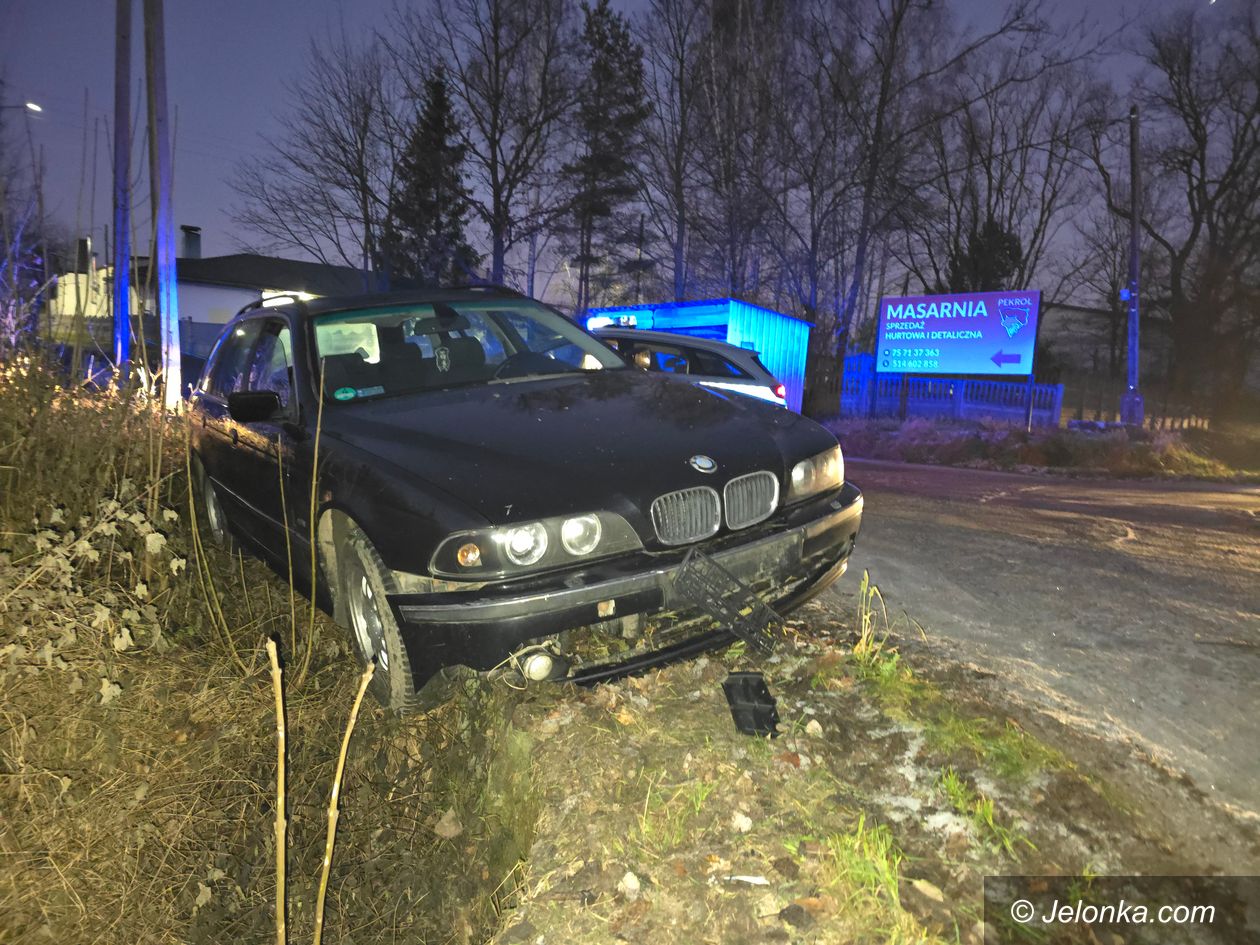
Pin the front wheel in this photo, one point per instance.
(365, 582)
(214, 516)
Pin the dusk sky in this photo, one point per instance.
(228, 62)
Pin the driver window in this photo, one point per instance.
(271, 367)
(231, 360)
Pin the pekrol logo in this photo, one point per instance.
(1014, 313)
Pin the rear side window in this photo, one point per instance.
(663, 358)
(713, 365)
(349, 338)
(231, 359)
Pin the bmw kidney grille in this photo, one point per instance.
(686, 515)
(750, 499)
(694, 514)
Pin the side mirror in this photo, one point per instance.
(252, 406)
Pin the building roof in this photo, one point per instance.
(252, 271)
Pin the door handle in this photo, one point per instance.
(235, 436)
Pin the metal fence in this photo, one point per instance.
(865, 393)
(1095, 398)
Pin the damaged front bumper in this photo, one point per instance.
(787, 562)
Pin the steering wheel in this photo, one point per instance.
(515, 365)
(524, 363)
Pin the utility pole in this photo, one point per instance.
(1132, 410)
(122, 192)
(160, 181)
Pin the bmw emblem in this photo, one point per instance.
(702, 463)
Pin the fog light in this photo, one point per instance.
(538, 666)
(468, 556)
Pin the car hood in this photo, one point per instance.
(571, 443)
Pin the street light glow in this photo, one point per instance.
(32, 107)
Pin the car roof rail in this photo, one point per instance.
(490, 288)
(249, 307)
(271, 301)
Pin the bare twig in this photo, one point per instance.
(333, 810)
(288, 549)
(282, 824)
(206, 579)
(314, 532)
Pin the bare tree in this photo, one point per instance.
(1001, 169)
(811, 186)
(738, 52)
(510, 64)
(25, 239)
(1105, 271)
(907, 55)
(670, 32)
(1200, 106)
(324, 184)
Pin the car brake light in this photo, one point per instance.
(780, 391)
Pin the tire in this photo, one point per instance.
(363, 583)
(212, 514)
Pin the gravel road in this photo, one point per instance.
(1129, 608)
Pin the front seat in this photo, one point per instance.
(465, 361)
(403, 366)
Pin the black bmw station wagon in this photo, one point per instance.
(495, 485)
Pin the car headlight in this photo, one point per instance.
(817, 474)
(533, 546)
(580, 535)
(525, 544)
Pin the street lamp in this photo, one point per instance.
(29, 106)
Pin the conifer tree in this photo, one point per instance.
(425, 239)
(612, 108)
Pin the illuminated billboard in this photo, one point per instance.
(972, 333)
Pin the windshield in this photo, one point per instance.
(428, 346)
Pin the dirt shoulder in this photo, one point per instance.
(898, 784)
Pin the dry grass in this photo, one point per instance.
(137, 719)
(991, 445)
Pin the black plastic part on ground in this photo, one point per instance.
(752, 706)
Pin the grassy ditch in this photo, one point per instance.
(1194, 454)
(137, 725)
